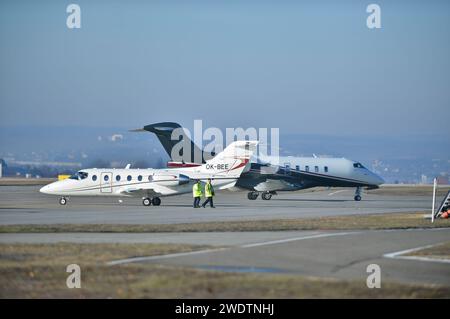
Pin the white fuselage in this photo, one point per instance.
(122, 182)
(288, 173)
(223, 170)
(338, 169)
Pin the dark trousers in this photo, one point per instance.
(208, 200)
(196, 202)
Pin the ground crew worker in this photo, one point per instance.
(209, 194)
(197, 193)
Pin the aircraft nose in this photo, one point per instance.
(45, 189)
(377, 180)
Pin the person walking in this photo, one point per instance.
(197, 193)
(209, 194)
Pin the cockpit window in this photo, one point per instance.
(358, 165)
(79, 175)
(83, 175)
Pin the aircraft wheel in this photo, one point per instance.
(252, 195)
(146, 201)
(156, 201)
(357, 198)
(62, 201)
(266, 196)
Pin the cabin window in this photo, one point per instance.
(129, 178)
(118, 178)
(106, 178)
(297, 167)
(325, 168)
(287, 168)
(150, 178)
(94, 177)
(307, 168)
(316, 169)
(140, 178)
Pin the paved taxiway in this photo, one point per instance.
(25, 205)
(331, 254)
(194, 238)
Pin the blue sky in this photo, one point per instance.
(303, 66)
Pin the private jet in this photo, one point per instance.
(266, 178)
(151, 184)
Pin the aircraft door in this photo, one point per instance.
(106, 183)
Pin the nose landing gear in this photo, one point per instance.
(358, 194)
(62, 201)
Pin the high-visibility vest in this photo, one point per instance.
(197, 190)
(209, 191)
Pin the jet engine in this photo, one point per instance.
(170, 179)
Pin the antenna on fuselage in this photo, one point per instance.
(128, 166)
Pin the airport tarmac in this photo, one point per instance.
(329, 254)
(325, 254)
(25, 205)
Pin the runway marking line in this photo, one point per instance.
(190, 253)
(281, 241)
(399, 255)
(394, 255)
(336, 192)
(138, 259)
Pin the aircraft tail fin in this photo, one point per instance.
(232, 161)
(171, 134)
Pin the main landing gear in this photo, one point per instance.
(155, 201)
(62, 201)
(264, 195)
(358, 193)
(252, 195)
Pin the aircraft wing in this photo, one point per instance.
(276, 184)
(149, 190)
